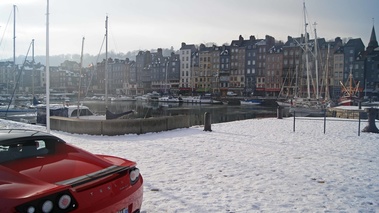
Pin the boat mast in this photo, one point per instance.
(166, 84)
(327, 95)
(316, 62)
(351, 80)
(80, 77)
(106, 62)
(47, 72)
(14, 43)
(33, 68)
(306, 53)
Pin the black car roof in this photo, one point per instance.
(12, 134)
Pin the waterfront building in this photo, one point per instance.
(158, 71)
(188, 63)
(371, 68)
(224, 74)
(274, 70)
(116, 76)
(215, 69)
(173, 73)
(292, 59)
(250, 65)
(203, 77)
(130, 86)
(354, 64)
(143, 72)
(337, 72)
(237, 66)
(262, 46)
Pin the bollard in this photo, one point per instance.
(360, 105)
(371, 127)
(207, 122)
(279, 112)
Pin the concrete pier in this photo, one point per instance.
(119, 126)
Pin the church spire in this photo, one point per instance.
(373, 43)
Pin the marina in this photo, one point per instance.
(145, 109)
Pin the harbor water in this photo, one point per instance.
(144, 109)
(219, 112)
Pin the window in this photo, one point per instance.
(26, 149)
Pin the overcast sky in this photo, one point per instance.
(151, 24)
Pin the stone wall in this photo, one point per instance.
(119, 126)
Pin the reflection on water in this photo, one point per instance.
(219, 113)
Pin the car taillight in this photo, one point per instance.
(134, 175)
(60, 203)
(64, 201)
(31, 209)
(47, 206)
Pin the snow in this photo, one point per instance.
(256, 165)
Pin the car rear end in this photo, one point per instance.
(114, 189)
(45, 174)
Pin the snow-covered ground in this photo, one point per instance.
(257, 165)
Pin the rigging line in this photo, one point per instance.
(97, 60)
(6, 26)
(98, 55)
(114, 42)
(18, 78)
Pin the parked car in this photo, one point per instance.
(40, 172)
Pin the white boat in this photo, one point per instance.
(170, 99)
(251, 102)
(286, 103)
(307, 109)
(122, 98)
(68, 111)
(151, 96)
(201, 99)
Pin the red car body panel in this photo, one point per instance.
(98, 183)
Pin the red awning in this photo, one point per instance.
(272, 90)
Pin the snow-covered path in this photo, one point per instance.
(257, 165)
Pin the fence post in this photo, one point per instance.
(207, 122)
(359, 125)
(279, 112)
(324, 121)
(294, 118)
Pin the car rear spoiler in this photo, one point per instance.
(73, 182)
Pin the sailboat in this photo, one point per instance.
(308, 106)
(11, 109)
(349, 92)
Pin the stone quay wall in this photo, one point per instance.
(119, 126)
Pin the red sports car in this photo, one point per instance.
(40, 172)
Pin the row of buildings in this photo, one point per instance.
(246, 67)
